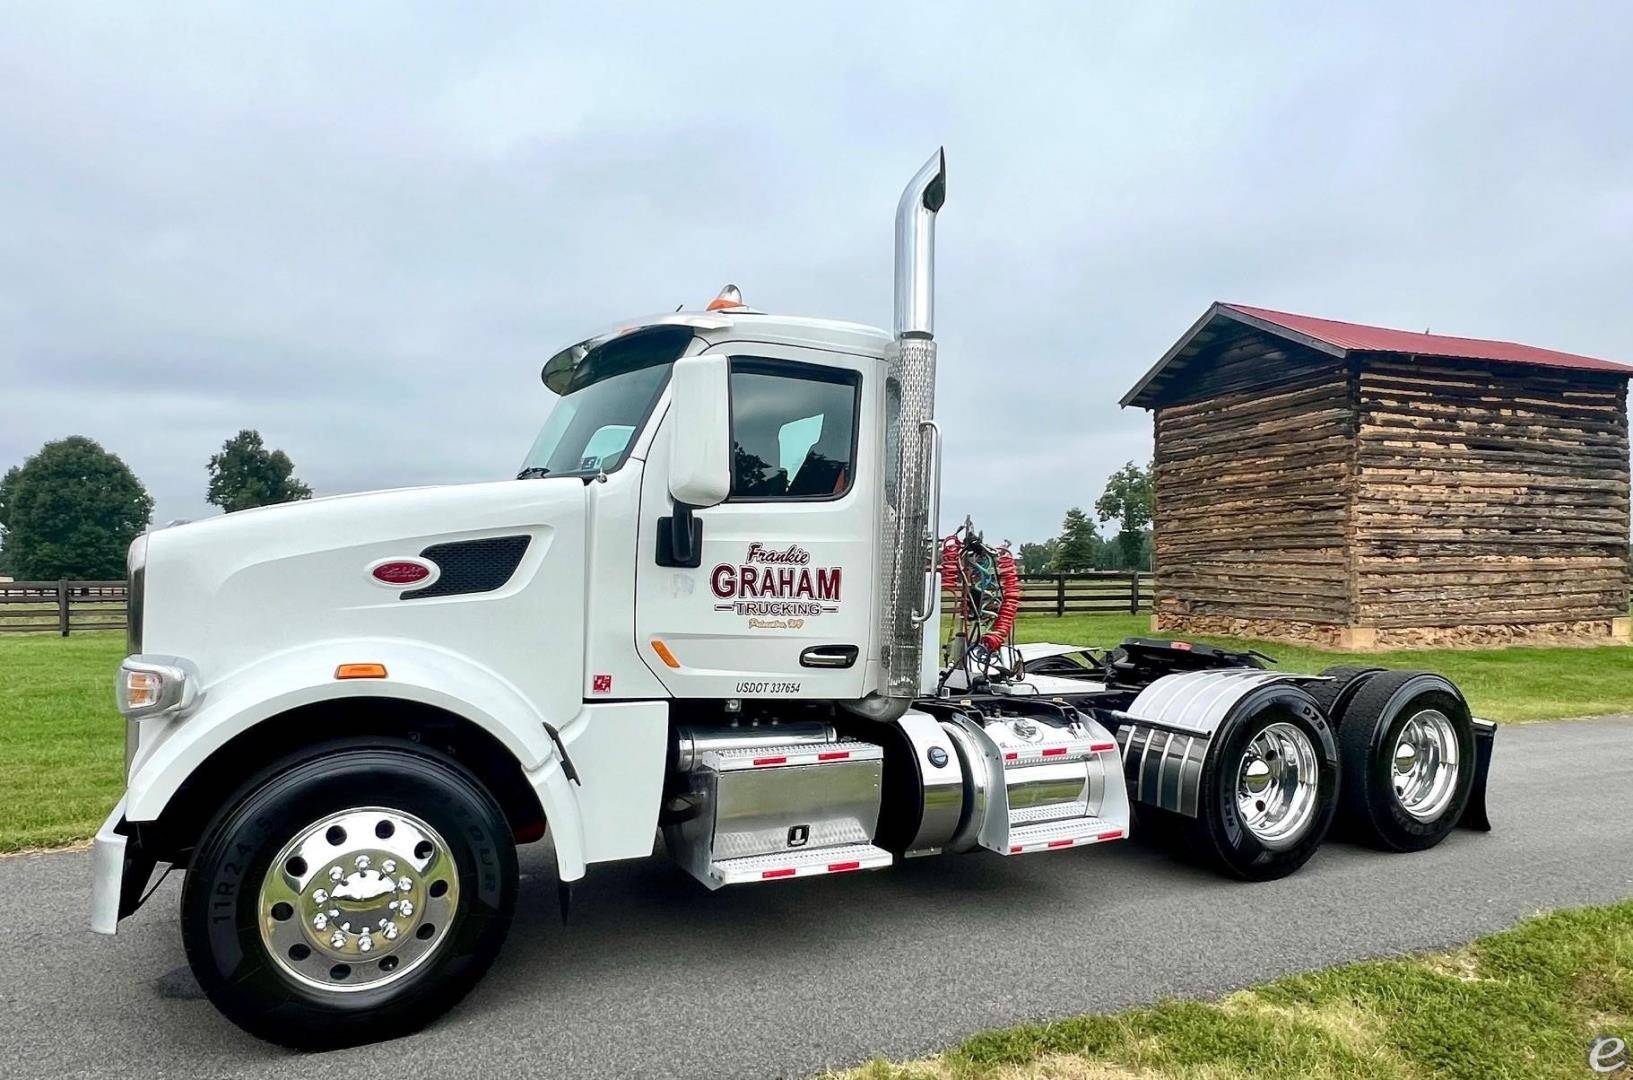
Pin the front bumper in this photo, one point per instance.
(119, 871)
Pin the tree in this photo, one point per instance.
(7, 483)
(247, 474)
(71, 511)
(1078, 543)
(1127, 499)
(1037, 558)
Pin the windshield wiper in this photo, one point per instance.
(533, 472)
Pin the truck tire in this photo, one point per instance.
(349, 897)
(1334, 697)
(1407, 744)
(1269, 791)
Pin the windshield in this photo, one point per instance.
(610, 394)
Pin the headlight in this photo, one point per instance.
(155, 685)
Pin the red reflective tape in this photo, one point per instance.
(1054, 751)
(1016, 850)
(771, 761)
(1011, 756)
(1062, 843)
(841, 867)
(1102, 747)
(787, 871)
(1112, 835)
(834, 755)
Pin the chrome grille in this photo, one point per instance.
(135, 589)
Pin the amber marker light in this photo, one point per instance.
(664, 654)
(360, 671)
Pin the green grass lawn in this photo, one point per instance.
(1530, 683)
(62, 744)
(1519, 1005)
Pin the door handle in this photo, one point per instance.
(829, 656)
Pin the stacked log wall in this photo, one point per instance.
(1491, 501)
(1253, 474)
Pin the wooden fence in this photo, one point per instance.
(61, 606)
(65, 606)
(1097, 592)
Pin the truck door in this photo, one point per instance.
(780, 604)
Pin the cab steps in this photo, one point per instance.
(766, 811)
(1057, 835)
(810, 862)
(1056, 778)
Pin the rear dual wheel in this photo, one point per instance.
(1268, 790)
(350, 897)
(1407, 743)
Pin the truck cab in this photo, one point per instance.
(734, 472)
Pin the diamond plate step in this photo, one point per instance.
(770, 757)
(807, 863)
(1058, 753)
(1054, 835)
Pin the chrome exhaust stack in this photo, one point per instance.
(913, 443)
(916, 249)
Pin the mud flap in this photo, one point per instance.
(1474, 814)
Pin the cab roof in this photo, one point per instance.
(734, 324)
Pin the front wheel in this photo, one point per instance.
(351, 897)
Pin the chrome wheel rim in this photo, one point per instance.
(1276, 785)
(358, 899)
(1424, 765)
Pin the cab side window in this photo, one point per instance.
(793, 430)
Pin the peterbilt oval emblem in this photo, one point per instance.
(401, 573)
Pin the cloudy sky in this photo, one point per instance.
(361, 228)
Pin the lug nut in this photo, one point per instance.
(362, 861)
(320, 896)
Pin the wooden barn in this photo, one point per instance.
(1361, 487)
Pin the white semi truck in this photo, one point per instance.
(707, 608)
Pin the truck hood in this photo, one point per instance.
(227, 591)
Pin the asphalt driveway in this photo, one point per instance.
(657, 977)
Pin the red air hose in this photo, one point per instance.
(1009, 579)
(951, 553)
(1009, 587)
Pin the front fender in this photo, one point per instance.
(305, 676)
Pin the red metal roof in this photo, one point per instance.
(1361, 338)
